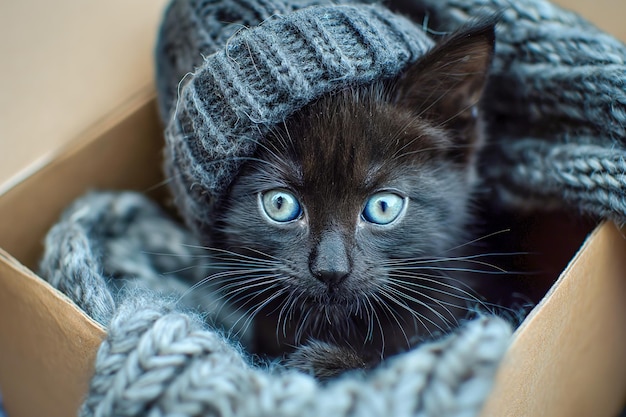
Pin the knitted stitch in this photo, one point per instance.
(259, 77)
(160, 361)
(107, 244)
(193, 30)
(555, 103)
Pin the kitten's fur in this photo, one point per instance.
(353, 290)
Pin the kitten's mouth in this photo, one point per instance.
(342, 295)
(337, 299)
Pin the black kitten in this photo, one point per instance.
(342, 230)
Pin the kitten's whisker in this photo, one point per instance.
(231, 158)
(236, 270)
(433, 103)
(405, 307)
(370, 323)
(250, 283)
(471, 300)
(283, 137)
(419, 317)
(394, 315)
(242, 265)
(499, 271)
(327, 317)
(461, 111)
(487, 236)
(232, 256)
(413, 265)
(380, 326)
(300, 327)
(286, 314)
(266, 255)
(398, 134)
(157, 185)
(176, 255)
(233, 295)
(276, 163)
(292, 311)
(284, 305)
(248, 318)
(250, 298)
(216, 266)
(218, 278)
(427, 259)
(358, 309)
(425, 288)
(428, 306)
(416, 152)
(277, 134)
(226, 299)
(260, 307)
(441, 303)
(436, 280)
(224, 277)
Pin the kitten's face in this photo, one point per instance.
(358, 187)
(350, 185)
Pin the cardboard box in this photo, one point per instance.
(568, 358)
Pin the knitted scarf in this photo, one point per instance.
(127, 264)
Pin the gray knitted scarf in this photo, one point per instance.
(126, 264)
(555, 107)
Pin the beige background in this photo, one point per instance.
(66, 63)
(63, 65)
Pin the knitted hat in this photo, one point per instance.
(259, 77)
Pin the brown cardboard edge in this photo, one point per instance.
(562, 277)
(48, 344)
(91, 161)
(46, 364)
(567, 358)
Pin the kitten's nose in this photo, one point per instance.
(332, 278)
(330, 263)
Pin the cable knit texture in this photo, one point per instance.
(230, 70)
(555, 103)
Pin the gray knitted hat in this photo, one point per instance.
(256, 77)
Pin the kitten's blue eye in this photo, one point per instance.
(280, 206)
(383, 208)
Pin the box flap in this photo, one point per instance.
(46, 362)
(567, 359)
(47, 344)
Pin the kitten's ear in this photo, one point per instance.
(446, 84)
